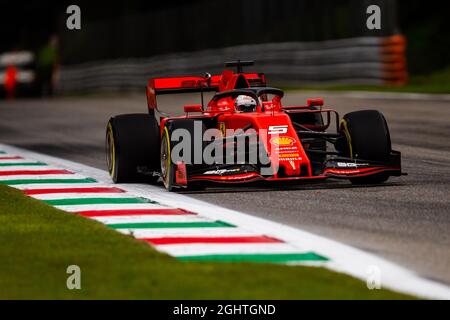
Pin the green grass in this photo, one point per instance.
(39, 242)
(436, 83)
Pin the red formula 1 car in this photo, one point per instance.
(246, 135)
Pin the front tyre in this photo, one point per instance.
(167, 167)
(366, 138)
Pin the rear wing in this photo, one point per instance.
(159, 86)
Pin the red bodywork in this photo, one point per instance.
(285, 148)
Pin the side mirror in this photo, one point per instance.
(317, 102)
(193, 108)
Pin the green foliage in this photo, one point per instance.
(436, 83)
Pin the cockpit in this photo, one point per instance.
(253, 99)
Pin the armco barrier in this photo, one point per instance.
(365, 60)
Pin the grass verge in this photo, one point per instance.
(39, 242)
(435, 83)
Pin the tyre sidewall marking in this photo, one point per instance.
(168, 160)
(112, 149)
(344, 128)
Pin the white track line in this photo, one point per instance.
(15, 160)
(207, 249)
(344, 258)
(188, 232)
(41, 177)
(28, 168)
(151, 218)
(60, 186)
(115, 206)
(61, 196)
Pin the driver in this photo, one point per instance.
(245, 103)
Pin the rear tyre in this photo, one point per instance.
(367, 138)
(132, 144)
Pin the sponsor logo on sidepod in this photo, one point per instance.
(282, 141)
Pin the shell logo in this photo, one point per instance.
(282, 141)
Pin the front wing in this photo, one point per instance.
(334, 167)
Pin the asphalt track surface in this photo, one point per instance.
(406, 220)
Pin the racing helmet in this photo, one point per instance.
(245, 103)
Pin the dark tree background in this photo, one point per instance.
(141, 28)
